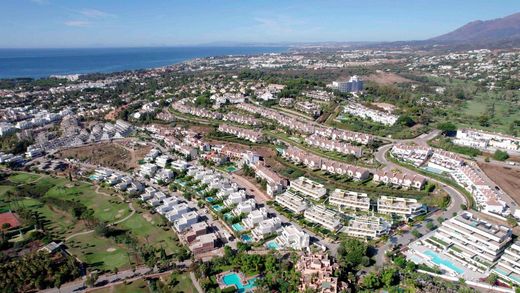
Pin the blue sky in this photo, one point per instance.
(113, 23)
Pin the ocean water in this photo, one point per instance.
(38, 63)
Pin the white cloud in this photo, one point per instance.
(77, 23)
(94, 13)
(40, 2)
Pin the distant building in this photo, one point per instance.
(354, 85)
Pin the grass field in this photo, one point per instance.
(145, 227)
(24, 178)
(99, 252)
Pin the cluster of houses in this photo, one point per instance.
(376, 115)
(333, 145)
(487, 140)
(318, 273)
(183, 107)
(241, 119)
(319, 95)
(299, 198)
(281, 119)
(468, 243)
(309, 108)
(312, 161)
(256, 219)
(157, 167)
(399, 179)
(244, 133)
(186, 221)
(487, 198)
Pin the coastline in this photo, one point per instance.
(42, 63)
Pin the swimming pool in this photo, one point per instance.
(228, 216)
(246, 238)
(231, 169)
(272, 245)
(237, 227)
(210, 199)
(234, 279)
(432, 170)
(217, 207)
(435, 258)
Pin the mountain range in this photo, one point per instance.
(495, 30)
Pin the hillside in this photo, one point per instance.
(496, 30)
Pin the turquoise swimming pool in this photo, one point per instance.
(237, 227)
(210, 199)
(246, 238)
(272, 245)
(435, 258)
(234, 279)
(217, 207)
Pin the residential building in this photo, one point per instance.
(327, 218)
(292, 202)
(406, 207)
(308, 187)
(204, 243)
(368, 227)
(413, 154)
(345, 199)
(473, 241)
(266, 227)
(292, 237)
(255, 217)
(186, 220)
(399, 179)
(275, 183)
(508, 266)
(317, 272)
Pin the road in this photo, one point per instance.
(457, 198)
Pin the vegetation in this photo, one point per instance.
(500, 155)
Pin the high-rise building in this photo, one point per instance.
(354, 85)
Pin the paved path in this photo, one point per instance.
(196, 283)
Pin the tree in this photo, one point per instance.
(371, 281)
(351, 253)
(390, 277)
(500, 155)
(430, 226)
(91, 279)
(440, 220)
(447, 128)
(492, 279)
(416, 233)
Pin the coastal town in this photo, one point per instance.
(231, 175)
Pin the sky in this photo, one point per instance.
(143, 23)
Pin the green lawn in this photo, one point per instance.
(150, 232)
(99, 252)
(23, 178)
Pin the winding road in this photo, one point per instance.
(457, 198)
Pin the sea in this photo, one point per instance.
(38, 63)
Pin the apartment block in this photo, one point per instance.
(327, 218)
(352, 200)
(406, 207)
(367, 227)
(471, 240)
(508, 266)
(413, 154)
(292, 202)
(308, 187)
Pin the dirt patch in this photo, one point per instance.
(112, 155)
(387, 78)
(148, 217)
(111, 249)
(508, 179)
